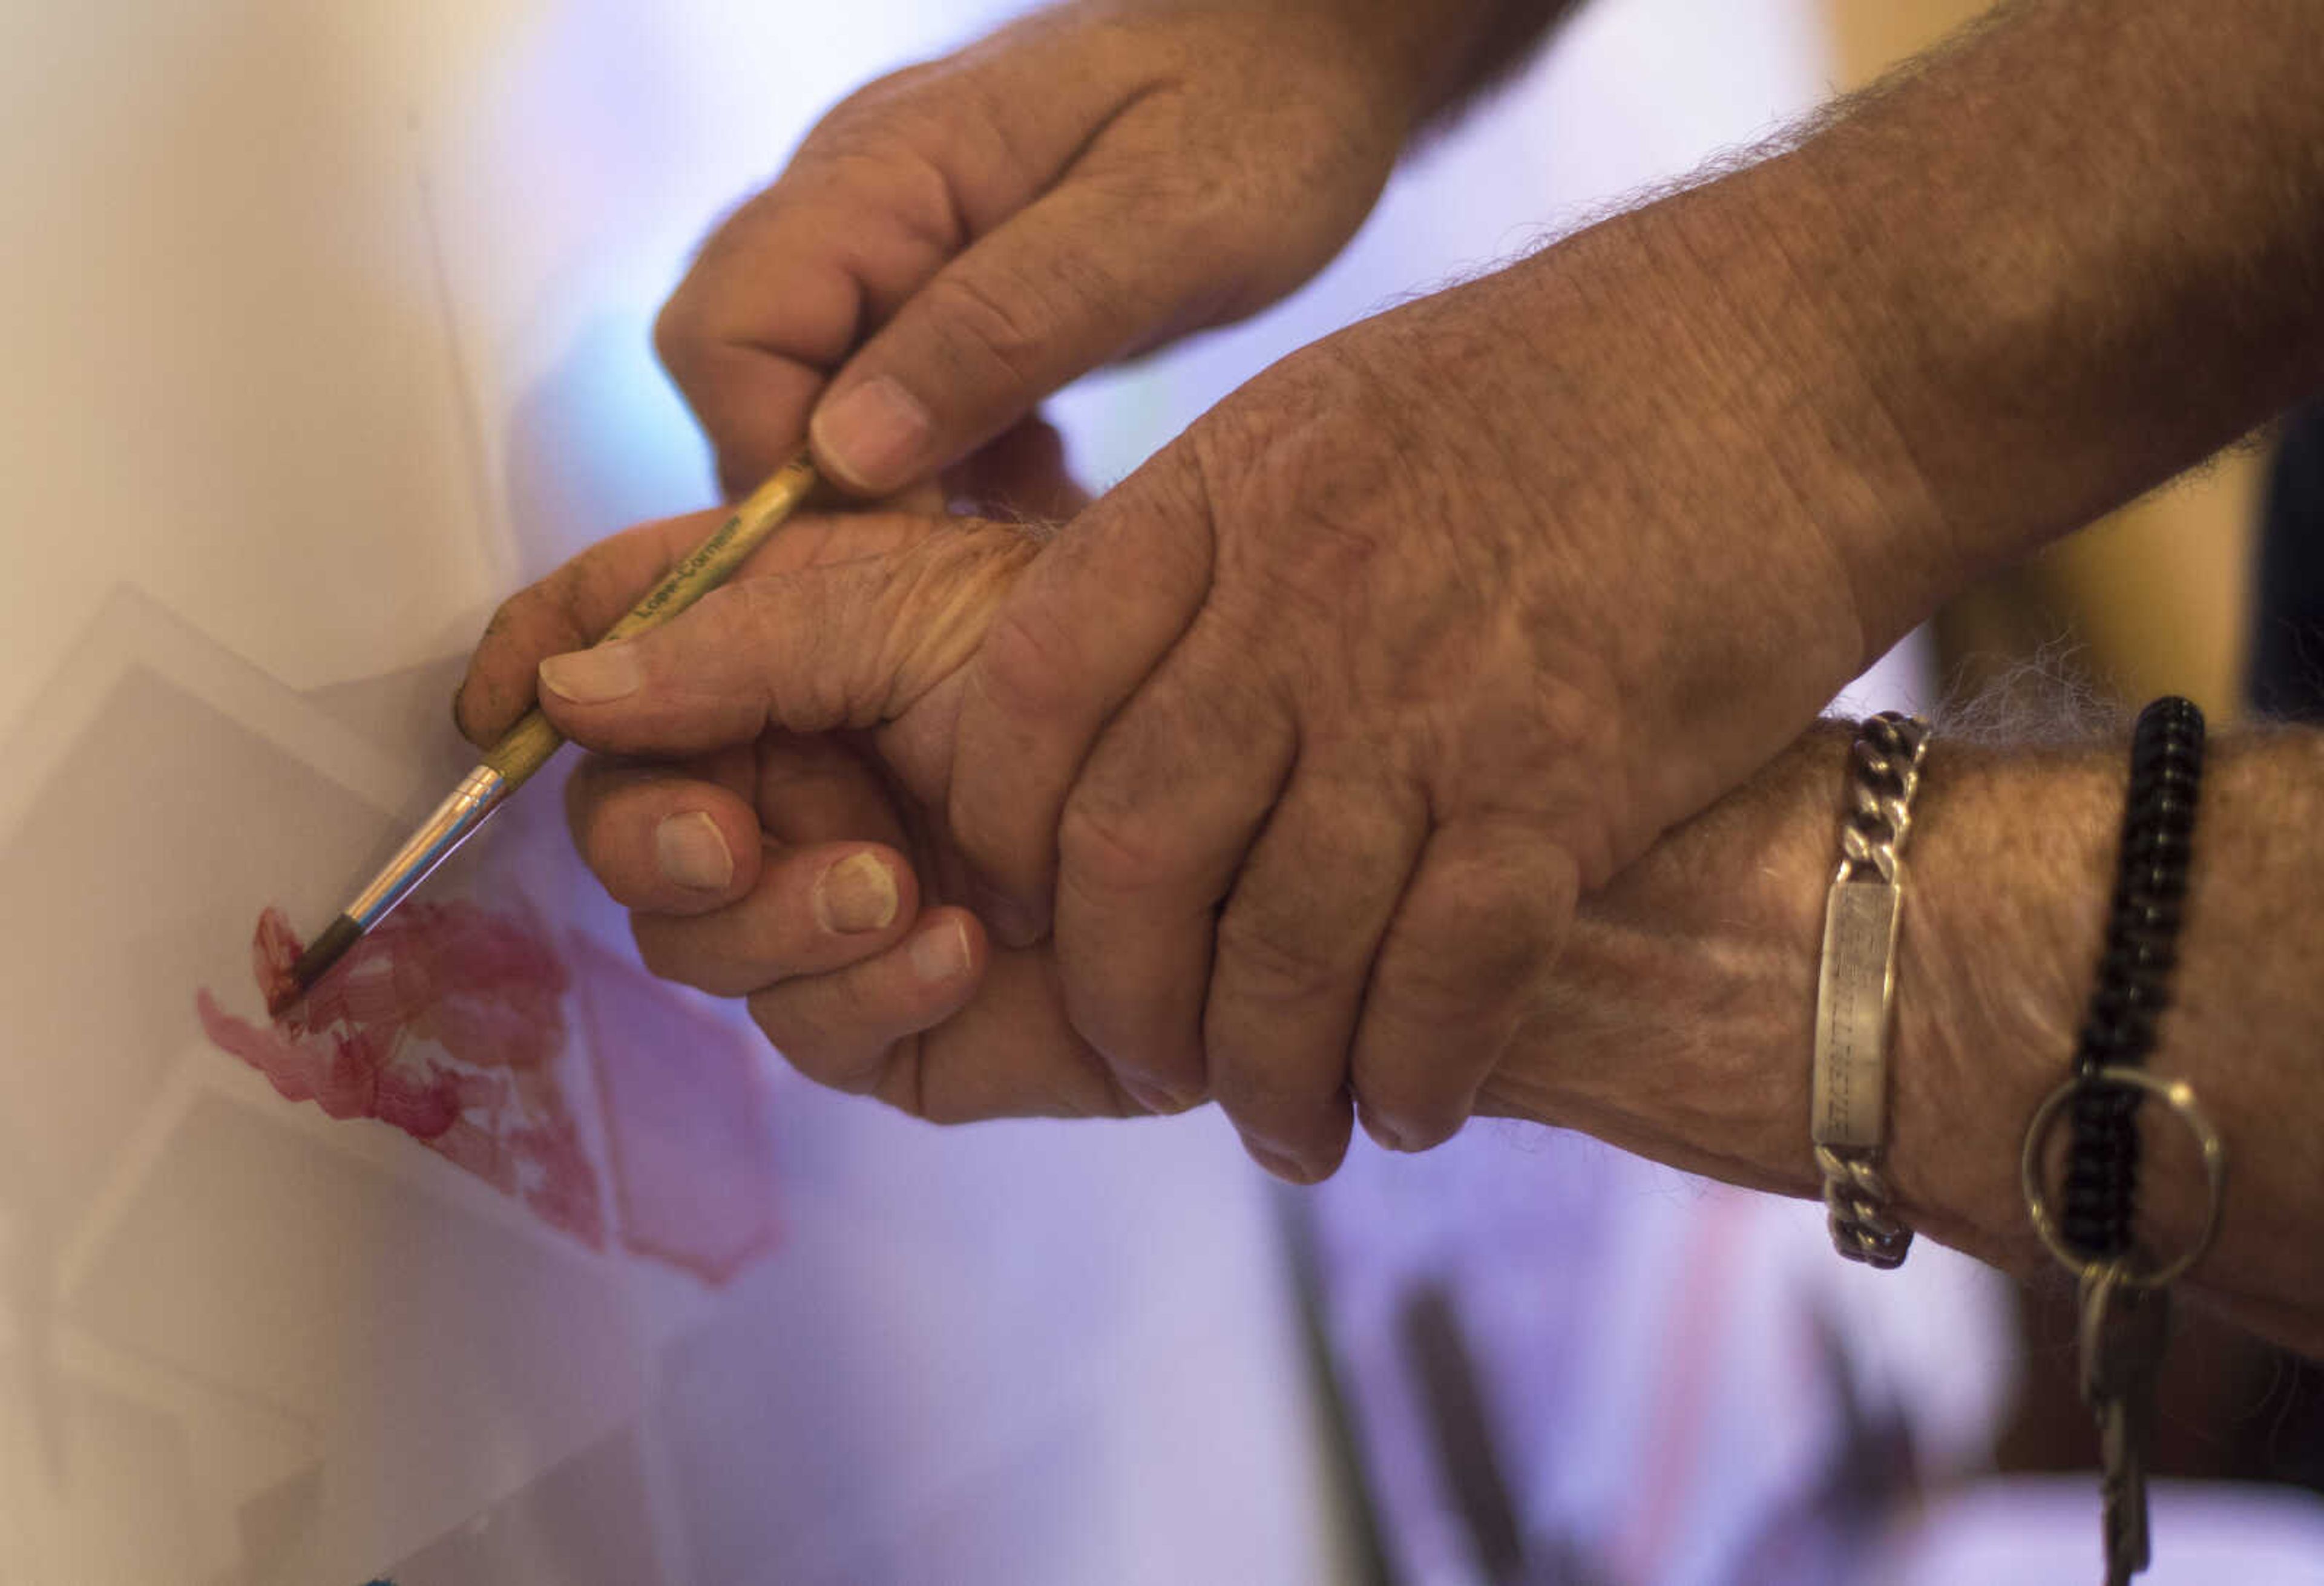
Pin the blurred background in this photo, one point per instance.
(326, 328)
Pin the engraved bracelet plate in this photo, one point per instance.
(1852, 997)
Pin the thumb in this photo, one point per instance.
(841, 644)
(1074, 280)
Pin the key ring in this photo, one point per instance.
(2180, 1097)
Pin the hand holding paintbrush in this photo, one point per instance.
(526, 747)
(803, 722)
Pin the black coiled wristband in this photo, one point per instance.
(2133, 981)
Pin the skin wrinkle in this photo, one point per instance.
(950, 593)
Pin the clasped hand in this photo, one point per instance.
(1274, 775)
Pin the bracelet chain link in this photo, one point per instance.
(1884, 774)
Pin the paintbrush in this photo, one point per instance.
(526, 747)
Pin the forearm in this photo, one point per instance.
(2068, 257)
(2009, 874)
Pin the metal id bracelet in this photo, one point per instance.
(1856, 989)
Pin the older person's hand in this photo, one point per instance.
(1317, 727)
(813, 710)
(1303, 742)
(803, 724)
(956, 241)
(1314, 728)
(784, 842)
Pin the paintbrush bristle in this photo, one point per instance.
(314, 962)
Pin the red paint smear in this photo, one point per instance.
(686, 1114)
(274, 953)
(444, 1022)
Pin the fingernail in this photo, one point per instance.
(1277, 1163)
(693, 853)
(875, 436)
(1154, 1098)
(940, 954)
(1384, 1133)
(593, 677)
(857, 894)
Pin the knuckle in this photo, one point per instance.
(1000, 317)
(561, 608)
(806, 1041)
(1434, 982)
(1469, 951)
(1268, 957)
(870, 107)
(760, 620)
(510, 619)
(734, 617)
(679, 336)
(1107, 850)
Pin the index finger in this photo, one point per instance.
(570, 608)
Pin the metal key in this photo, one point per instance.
(2126, 1326)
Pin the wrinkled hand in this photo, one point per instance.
(778, 846)
(805, 721)
(956, 241)
(1315, 727)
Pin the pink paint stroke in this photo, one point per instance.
(445, 1022)
(688, 1119)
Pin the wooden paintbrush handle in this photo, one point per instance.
(526, 747)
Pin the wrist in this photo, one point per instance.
(1680, 1018)
(1681, 1023)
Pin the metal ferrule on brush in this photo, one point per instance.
(479, 793)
